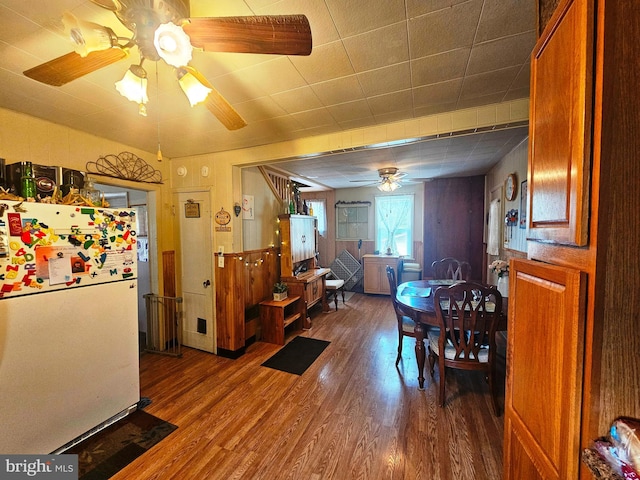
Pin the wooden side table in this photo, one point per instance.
(276, 316)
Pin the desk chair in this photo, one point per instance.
(452, 269)
(406, 325)
(467, 335)
(332, 289)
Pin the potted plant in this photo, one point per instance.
(279, 291)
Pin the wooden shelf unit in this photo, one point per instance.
(275, 317)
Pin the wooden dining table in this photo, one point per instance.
(415, 300)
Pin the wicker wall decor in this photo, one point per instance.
(125, 165)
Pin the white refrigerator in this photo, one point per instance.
(68, 322)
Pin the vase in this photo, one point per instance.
(503, 285)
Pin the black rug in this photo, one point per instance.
(102, 455)
(297, 355)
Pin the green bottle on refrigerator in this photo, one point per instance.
(27, 181)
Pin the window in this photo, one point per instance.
(394, 224)
(320, 212)
(352, 220)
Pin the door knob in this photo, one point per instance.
(206, 283)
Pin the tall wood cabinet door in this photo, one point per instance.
(560, 125)
(303, 238)
(545, 342)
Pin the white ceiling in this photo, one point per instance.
(373, 62)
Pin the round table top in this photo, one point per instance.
(415, 299)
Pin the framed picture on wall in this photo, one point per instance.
(523, 204)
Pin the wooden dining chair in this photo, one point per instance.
(406, 325)
(468, 314)
(451, 269)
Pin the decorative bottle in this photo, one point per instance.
(27, 181)
(305, 208)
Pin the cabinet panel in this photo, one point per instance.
(297, 242)
(544, 378)
(560, 126)
(375, 273)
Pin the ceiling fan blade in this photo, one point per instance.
(270, 34)
(71, 66)
(224, 111)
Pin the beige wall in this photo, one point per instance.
(262, 231)
(516, 237)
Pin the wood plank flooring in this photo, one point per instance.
(351, 415)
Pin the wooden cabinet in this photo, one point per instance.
(297, 242)
(310, 286)
(560, 126)
(298, 249)
(544, 379)
(375, 273)
(276, 316)
(573, 306)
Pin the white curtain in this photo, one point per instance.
(493, 237)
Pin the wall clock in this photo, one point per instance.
(511, 187)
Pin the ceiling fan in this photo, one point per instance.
(163, 30)
(389, 179)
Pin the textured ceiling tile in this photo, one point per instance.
(498, 18)
(394, 116)
(481, 100)
(432, 109)
(275, 76)
(297, 100)
(444, 30)
(501, 53)
(356, 16)
(488, 83)
(259, 109)
(340, 90)
(440, 67)
(350, 111)
(326, 62)
(420, 7)
(390, 47)
(391, 102)
(386, 80)
(438, 93)
(312, 118)
(523, 78)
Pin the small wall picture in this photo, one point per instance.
(247, 207)
(523, 204)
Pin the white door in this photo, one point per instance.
(198, 327)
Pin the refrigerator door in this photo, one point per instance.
(68, 362)
(46, 247)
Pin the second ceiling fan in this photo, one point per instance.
(389, 179)
(164, 30)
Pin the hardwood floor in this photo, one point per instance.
(351, 415)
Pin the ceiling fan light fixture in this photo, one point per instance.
(133, 86)
(194, 85)
(87, 37)
(173, 44)
(388, 185)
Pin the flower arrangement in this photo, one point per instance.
(500, 268)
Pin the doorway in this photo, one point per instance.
(138, 199)
(198, 327)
